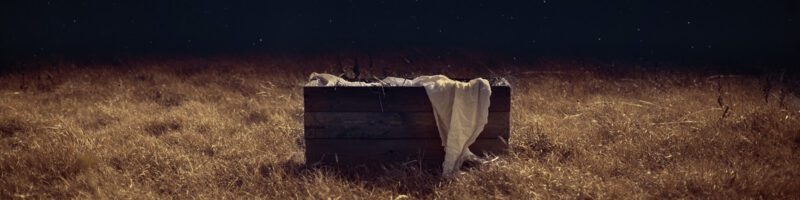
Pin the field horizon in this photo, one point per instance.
(231, 126)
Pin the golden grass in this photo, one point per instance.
(231, 127)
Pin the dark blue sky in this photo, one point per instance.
(704, 28)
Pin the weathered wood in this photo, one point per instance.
(355, 152)
(385, 99)
(389, 125)
(376, 125)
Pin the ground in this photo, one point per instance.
(231, 127)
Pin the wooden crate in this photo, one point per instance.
(376, 125)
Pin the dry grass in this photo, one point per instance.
(231, 127)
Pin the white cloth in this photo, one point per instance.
(461, 109)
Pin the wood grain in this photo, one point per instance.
(389, 125)
(377, 125)
(354, 152)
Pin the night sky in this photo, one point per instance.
(718, 29)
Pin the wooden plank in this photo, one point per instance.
(385, 99)
(356, 152)
(389, 125)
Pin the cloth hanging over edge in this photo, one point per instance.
(461, 109)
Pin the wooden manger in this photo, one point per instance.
(376, 125)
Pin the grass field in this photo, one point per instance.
(231, 127)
